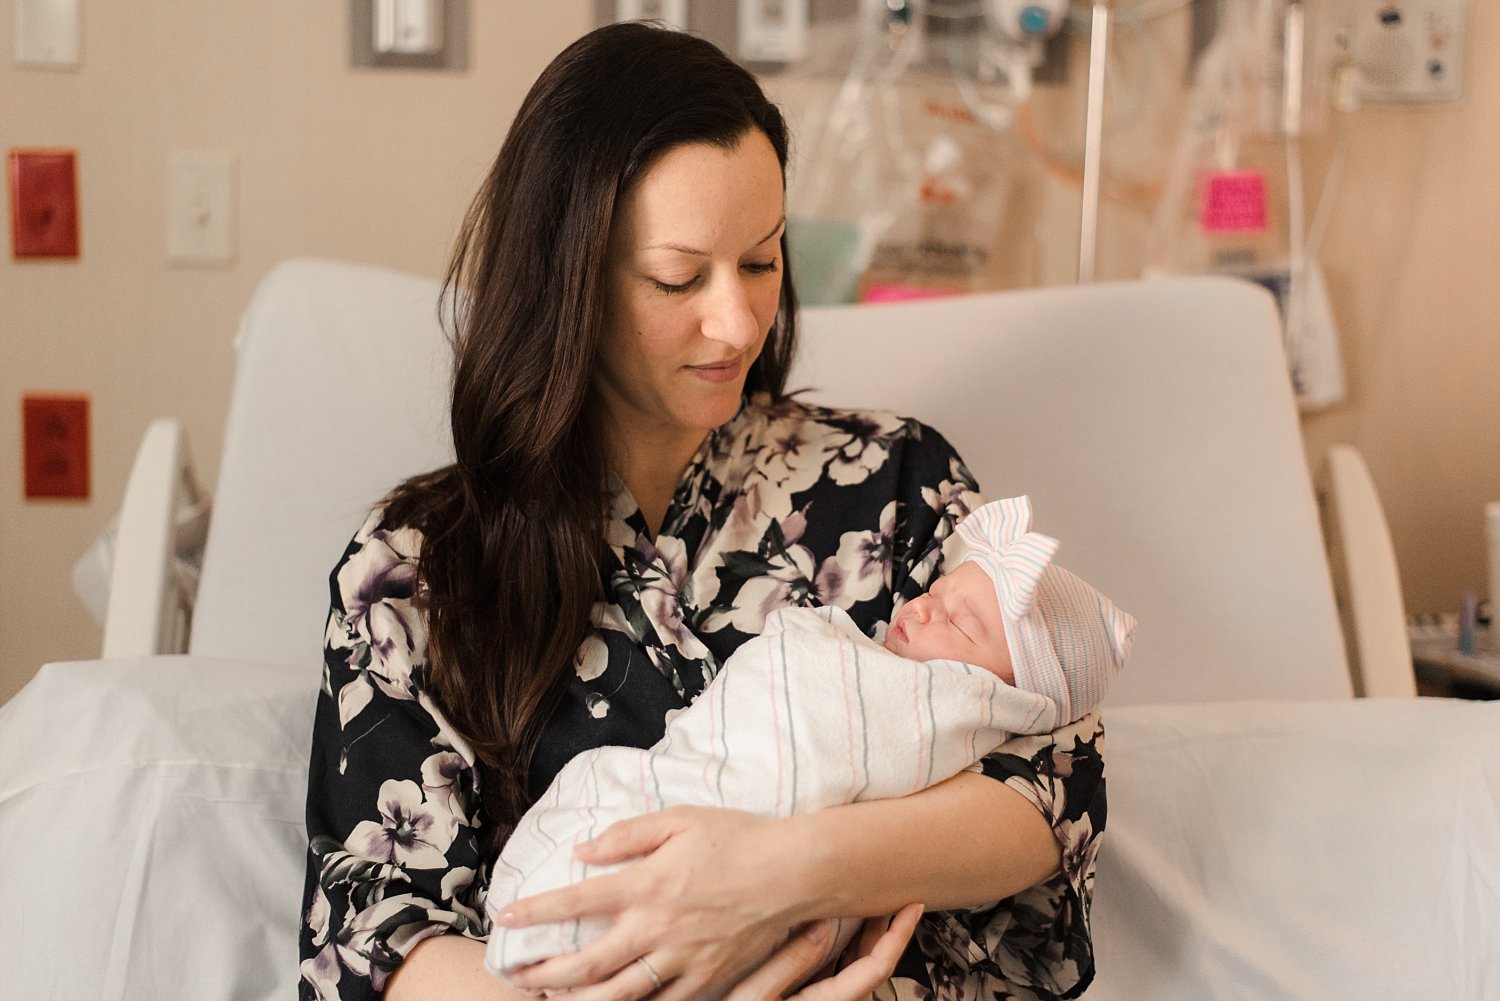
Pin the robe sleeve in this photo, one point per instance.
(392, 814)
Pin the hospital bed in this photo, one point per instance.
(1269, 835)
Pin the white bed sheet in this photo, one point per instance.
(151, 813)
(1308, 850)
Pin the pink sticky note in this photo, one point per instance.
(1233, 202)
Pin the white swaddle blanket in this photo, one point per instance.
(811, 713)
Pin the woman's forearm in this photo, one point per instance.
(961, 843)
(449, 966)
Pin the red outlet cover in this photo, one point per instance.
(55, 433)
(43, 203)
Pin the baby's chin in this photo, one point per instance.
(901, 649)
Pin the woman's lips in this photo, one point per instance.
(718, 372)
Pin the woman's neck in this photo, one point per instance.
(651, 466)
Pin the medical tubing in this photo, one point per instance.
(1088, 223)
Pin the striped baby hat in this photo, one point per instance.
(1067, 641)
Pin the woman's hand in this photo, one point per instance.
(869, 962)
(704, 904)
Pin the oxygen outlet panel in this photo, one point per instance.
(1407, 52)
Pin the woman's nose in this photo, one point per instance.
(729, 319)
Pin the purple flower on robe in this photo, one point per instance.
(410, 833)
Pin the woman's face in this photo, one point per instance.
(694, 283)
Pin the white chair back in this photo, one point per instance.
(340, 392)
(1153, 426)
(1151, 423)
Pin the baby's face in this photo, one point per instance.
(957, 619)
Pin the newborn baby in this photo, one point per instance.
(813, 713)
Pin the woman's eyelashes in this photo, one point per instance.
(766, 268)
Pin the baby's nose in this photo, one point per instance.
(924, 609)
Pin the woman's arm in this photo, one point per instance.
(962, 843)
(709, 884)
(450, 967)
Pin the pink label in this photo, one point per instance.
(889, 292)
(1233, 202)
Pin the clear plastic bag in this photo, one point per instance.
(909, 181)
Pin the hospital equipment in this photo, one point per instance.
(913, 182)
(1269, 835)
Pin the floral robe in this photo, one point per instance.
(786, 504)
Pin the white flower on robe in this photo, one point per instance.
(366, 937)
(323, 972)
(866, 447)
(662, 601)
(592, 657)
(792, 579)
(790, 462)
(379, 582)
(862, 564)
(440, 774)
(410, 833)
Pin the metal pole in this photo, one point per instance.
(1088, 230)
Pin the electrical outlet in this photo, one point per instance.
(55, 445)
(43, 203)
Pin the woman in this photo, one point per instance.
(632, 494)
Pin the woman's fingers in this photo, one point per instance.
(600, 960)
(881, 943)
(599, 895)
(620, 842)
(793, 962)
(635, 980)
(627, 839)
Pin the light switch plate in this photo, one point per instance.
(772, 30)
(46, 33)
(409, 27)
(200, 207)
(673, 13)
(418, 34)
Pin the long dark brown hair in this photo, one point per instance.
(514, 530)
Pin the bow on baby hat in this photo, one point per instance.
(1000, 540)
(1067, 641)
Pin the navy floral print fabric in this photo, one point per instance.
(787, 504)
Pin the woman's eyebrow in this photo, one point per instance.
(695, 252)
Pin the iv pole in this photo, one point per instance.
(1088, 229)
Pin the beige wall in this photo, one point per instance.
(1411, 259)
(365, 165)
(376, 166)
